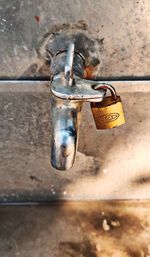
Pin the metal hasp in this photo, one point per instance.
(68, 92)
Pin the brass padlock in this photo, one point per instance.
(108, 113)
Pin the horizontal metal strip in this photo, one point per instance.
(24, 86)
(31, 86)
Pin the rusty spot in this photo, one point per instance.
(89, 72)
(37, 18)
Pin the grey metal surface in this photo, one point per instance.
(41, 86)
(25, 128)
(68, 72)
(121, 28)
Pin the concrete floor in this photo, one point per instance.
(83, 229)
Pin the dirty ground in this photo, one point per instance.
(83, 229)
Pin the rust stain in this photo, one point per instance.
(89, 71)
(117, 223)
(102, 229)
(37, 18)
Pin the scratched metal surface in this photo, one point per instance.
(121, 28)
(111, 164)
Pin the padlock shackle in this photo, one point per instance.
(106, 86)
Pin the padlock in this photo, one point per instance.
(108, 113)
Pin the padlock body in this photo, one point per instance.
(108, 113)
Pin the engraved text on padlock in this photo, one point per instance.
(108, 113)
